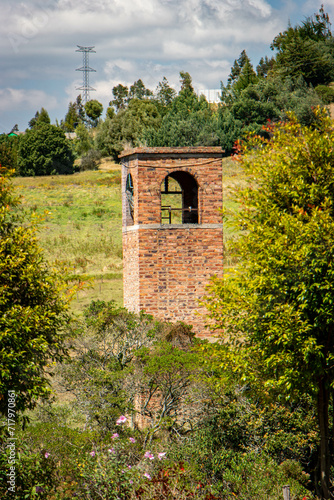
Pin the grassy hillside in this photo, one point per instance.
(80, 227)
(81, 224)
(233, 177)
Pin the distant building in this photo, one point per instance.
(211, 95)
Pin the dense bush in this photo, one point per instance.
(44, 150)
(326, 93)
(8, 151)
(33, 309)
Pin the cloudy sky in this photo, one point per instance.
(133, 39)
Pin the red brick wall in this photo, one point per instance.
(131, 270)
(166, 267)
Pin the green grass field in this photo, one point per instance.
(233, 177)
(80, 227)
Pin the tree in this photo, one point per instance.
(265, 66)
(33, 310)
(165, 379)
(8, 150)
(237, 67)
(105, 342)
(40, 117)
(44, 150)
(269, 98)
(246, 77)
(307, 50)
(93, 110)
(242, 74)
(72, 118)
(139, 91)
(276, 308)
(127, 127)
(83, 141)
(165, 94)
(80, 108)
(121, 95)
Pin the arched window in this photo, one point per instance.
(179, 199)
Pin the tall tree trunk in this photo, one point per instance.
(323, 404)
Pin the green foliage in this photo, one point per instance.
(237, 68)
(265, 66)
(35, 475)
(105, 342)
(166, 375)
(83, 141)
(242, 74)
(246, 77)
(188, 121)
(32, 309)
(93, 110)
(197, 129)
(73, 116)
(254, 476)
(121, 97)
(40, 117)
(8, 151)
(127, 127)
(276, 309)
(269, 99)
(56, 462)
(164, 93)
(139, 91)
(44, 150)
(187, 88)
(307, 50)
(326, 93)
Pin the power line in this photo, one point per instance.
(86, 70)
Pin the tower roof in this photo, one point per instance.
(187, 151)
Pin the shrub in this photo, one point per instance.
(90, 160)
(325, 93)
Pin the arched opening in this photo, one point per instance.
(179, 199)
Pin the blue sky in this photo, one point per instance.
(133, 39)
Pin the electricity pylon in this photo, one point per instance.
(86, 70)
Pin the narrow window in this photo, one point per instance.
(129, 194)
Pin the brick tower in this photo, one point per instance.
(172, 230)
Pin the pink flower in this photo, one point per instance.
(47, 455)
(147, 475)
(132, 440)
(111, 450)
(131, 482)
(121, 420)
(161, 455)
(149, 455)
(92, 453)
(115, 436)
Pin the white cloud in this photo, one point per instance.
(133, 39)
(25, 99)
